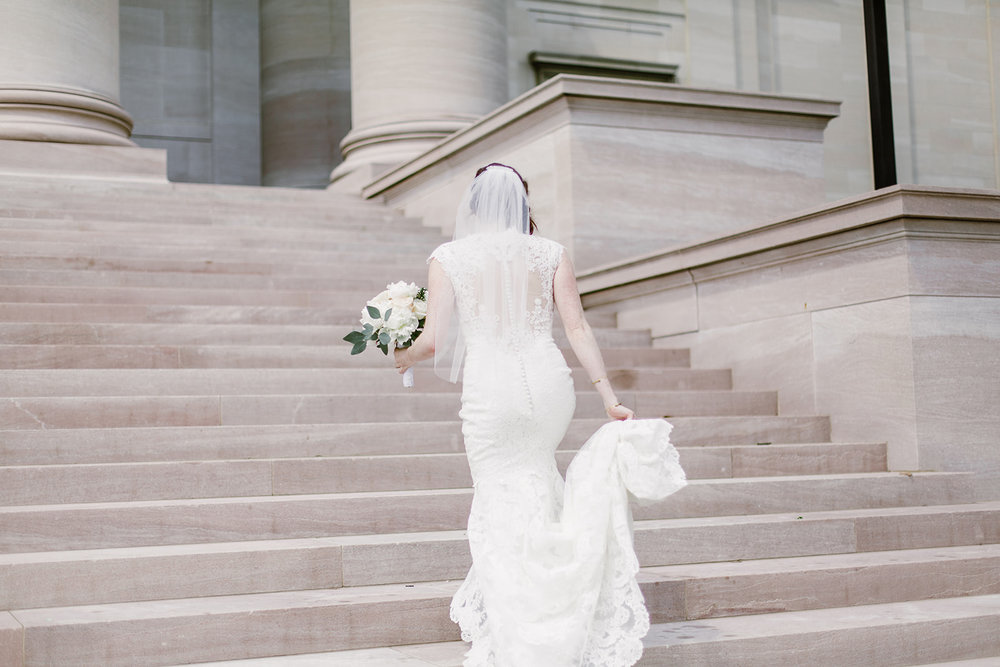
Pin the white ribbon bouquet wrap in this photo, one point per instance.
(393, 319)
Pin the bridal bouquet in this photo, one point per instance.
(394, 318)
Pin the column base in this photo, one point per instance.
(62, 115)
(64, 160)
(372, 151)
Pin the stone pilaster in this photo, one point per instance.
(59, 72)
(420, 71)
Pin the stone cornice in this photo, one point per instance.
(908, 210)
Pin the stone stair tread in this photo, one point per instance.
(111, 382)
(252, 409)
(230, 333)
(685, 546)
(812, 563)
(435, 654)
(96, 482)
(136, 444)
(201, 279)
(827, 637)
(97, 225)
(367, 254)
(179, 521)
(866, 635)
(237, 612)
(255, 356)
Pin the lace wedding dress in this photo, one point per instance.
(553, 575)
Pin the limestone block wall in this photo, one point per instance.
(190, 78)
(881, 311)
(620, 168)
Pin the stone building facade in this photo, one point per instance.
(260, 91)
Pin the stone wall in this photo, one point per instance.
(190, 78)
(192, 72)
(622, 168)
(882, 311)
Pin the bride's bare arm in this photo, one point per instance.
(581, 338)
(439, 294)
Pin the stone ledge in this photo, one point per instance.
(748, 249)
(596, 149)
(82, 161)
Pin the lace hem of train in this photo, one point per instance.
(622, 457)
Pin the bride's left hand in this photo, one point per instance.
(620, 412)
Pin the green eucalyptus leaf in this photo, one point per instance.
(359, 347)
(356, 337)
(387, 314)
(373, 312)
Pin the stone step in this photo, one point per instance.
(138, 314)
(208, 240)
(163, 522)
(372, 254)
(992, 661)
(323, 295)
(356, 282)
(117, 482)
(142, 314)
(888, 635)
(259, 623)
(124, 445)
(116, 382)
(245, 409)
(712, 590)
(161, 333)
(100, 576)
(382, 230)
(412, 269)
(259, 356)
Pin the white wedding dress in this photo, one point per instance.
(553, 577)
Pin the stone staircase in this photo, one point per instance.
(193, 468)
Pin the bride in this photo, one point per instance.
(552, 581)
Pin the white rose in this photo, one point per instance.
(402, 291)
(382, 303)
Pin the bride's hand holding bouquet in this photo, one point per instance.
(394, 318)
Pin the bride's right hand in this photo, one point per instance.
(620, 412)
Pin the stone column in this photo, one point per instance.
(59, 72)
(420, 70)
(305, 89)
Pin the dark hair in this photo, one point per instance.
(532, 227)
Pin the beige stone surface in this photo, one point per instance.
(11, 640)
(897, 634)
(305, 90)
(865, 375)
(878, 311)
(401, 105)
(59, 76)
(191, 79)
(636, 153)
(266, 624)
(100, 576)
(54, 160)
